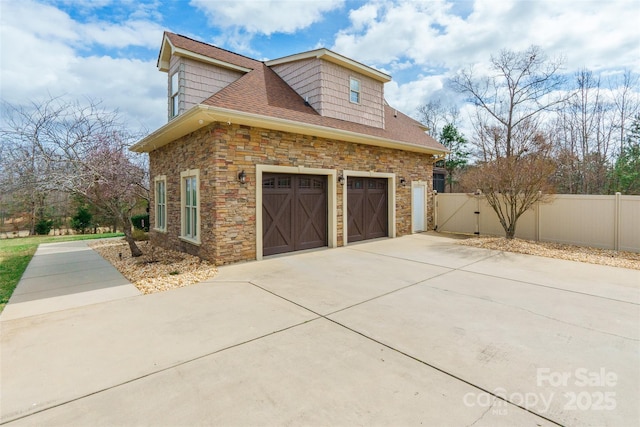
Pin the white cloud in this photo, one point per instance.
(398, 34)
(266, 16)
(589, 33)
(133, 87)
(397, 30)
(45, 51)
(88, 4)
(236, 41)
(409, 96)
(128, 33)
(362, 17)
(40, 57)
(37, 19)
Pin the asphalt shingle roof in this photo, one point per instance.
(214, 52)
(261, 91)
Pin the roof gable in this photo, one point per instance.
(175, 44)
(335, 58)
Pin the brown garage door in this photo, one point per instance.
(367, 216)
(294, 212)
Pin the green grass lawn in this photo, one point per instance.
(16, 253)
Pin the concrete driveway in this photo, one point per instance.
(407, 331)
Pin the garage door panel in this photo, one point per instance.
(378, 222)
(276, 220)
(312, 220)
(294, 213)
(355, 218)
(367, 210)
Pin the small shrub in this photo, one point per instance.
(139, 235)
(43, 227)
(141, 222)
(81, 220)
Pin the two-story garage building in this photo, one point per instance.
(260, 158)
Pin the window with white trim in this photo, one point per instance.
(354, 90)
(190, 205)
(161, 203)
(175, 94)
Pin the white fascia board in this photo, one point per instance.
(164, 59)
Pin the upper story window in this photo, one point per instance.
(354, 90)
(175, 99)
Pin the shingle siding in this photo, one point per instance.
(198, 81)
(326, 86)
(176, 66)
(335, 97)
(304, 77)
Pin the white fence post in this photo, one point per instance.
(616, 222)
(435, 210)
(537, 231)
(477, 212)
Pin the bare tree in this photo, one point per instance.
(591, 115)
(109, 179)
(515, 168)
(627, 104)
(24, 171)
(524, 85)
(436, 115)
(82, 150)
(591, 130)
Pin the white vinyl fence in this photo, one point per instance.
(609, 222)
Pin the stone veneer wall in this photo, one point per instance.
(228, 209)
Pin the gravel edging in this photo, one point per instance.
(157, 269)
(558, 250)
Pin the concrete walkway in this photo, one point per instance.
(409, 331)
(65, 275)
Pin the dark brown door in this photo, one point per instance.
(294, 212)
(367, 209)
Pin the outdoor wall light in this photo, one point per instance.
(403, 182)
(242, 177)
(341, 179)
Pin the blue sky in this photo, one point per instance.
(107, 49)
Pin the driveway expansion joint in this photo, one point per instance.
(423, 262)
(548, 286)
(405, 354)
(152, 373)
(535, 313)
